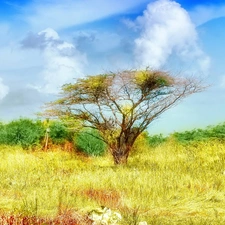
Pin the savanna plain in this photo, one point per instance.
(170, 182)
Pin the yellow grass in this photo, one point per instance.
(169, 184)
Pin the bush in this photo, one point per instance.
(217, 131)
(156, 140)
(24, 132)
(59, 133)
(89, 142)
(211, 132)
(190, 136)
(2, 133)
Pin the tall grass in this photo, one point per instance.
(168, 184)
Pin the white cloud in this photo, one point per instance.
(166, 29)
(4, 90)
(202, 13)
(62, 61)
(49, 34)
(61, 14)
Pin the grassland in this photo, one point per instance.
(168, 184)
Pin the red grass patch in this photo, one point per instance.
(67, 218)
(108, 198)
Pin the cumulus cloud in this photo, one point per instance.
(85, 39)
(62, 61)
(41, 40)
(166, 29)
(4, 90)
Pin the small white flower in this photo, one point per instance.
(105, 216)
(96, 217)
(143, 223)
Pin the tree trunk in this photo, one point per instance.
(121, 151)
(124, 143)
(120, 157)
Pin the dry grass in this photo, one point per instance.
(170, 184)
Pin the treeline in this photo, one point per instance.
(31, 134)
(210, 133)
(216, 132)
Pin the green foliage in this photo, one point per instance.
(211, 132)
(89, 141)
(23, 132)
(59, 132)
(2, 134)
(156, 140)
(148, 81)
(85, 90)
(26, 132)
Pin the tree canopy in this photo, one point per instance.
(122, 105)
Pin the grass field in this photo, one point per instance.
(169, 184)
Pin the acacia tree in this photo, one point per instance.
(122, 105)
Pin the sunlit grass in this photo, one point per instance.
(169, 184)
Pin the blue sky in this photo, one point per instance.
(46, 43)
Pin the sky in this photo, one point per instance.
(47, 43)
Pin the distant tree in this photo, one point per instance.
(122, 105)
(23, 132)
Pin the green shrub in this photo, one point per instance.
(217, 131)
(2, 133)
(211, 132)
(24, 132)
(89, 142)
(59, 132)
(156, 140)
